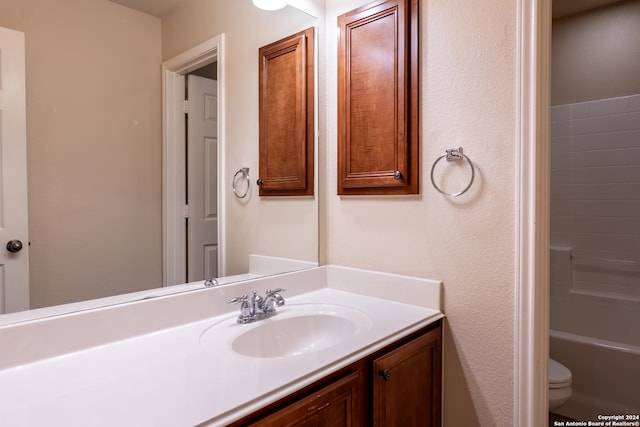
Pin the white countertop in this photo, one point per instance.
(167, 377)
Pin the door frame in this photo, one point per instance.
(173, 156)
(531, 326)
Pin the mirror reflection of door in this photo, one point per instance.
(201, 210)
(14, 254)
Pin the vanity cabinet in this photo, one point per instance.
(333, 405)
(406, 389)
(399, 385)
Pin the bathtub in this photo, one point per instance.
(606, 375)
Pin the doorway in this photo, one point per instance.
(174, 73)
(595, 174)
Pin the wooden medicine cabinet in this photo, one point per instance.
(378, 64)
(286, 100)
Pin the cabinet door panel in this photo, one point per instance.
(335, 405)
(406, 384)
(377, 99)
(286, 99)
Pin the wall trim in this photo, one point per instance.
(173, 156)
(531, 349)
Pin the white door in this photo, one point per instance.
(14, 264)
(202, 178)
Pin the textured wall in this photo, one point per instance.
(468, 99)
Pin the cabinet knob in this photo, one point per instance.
(259, 182)
(385, 374)
(397, 175)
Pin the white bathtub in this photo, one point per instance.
(606, 375)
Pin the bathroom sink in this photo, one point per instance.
(296, 330)
(292, 336)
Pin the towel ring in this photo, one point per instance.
(453, 154)
(243, 173)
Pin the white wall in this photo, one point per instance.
(467, 99)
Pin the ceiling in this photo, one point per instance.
(562, 8)
(150, 7)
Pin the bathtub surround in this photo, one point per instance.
(606, 378)
(595, 255)
(595, 218)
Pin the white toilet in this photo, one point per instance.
(559, 384)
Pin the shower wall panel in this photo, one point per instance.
(595, 217)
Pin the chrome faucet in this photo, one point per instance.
(245, 310)
(257, 307)
(211, 282)
(271, 300)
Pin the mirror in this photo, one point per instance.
(94, 143)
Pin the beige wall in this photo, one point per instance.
(94, 147)
(468, 99)
(596, 54)
(283, 227)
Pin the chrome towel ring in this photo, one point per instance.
(453, 154)
(242, 173)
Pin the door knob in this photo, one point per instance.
(14, 246)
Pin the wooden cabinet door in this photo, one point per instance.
(336, 405)
(378, 99)
(407, 384)
(286, 100)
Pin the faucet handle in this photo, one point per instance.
(274, 291)
(236, 300)
(246, 312)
